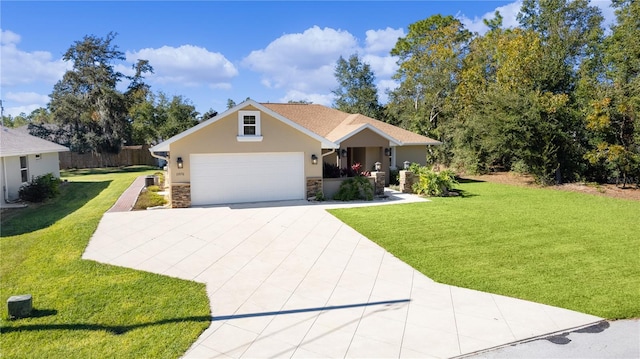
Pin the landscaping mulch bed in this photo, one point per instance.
(609, 190)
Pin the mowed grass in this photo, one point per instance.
(85, 309)
(571, 250)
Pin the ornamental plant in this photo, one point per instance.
(432, 183)
(355, 188)
(40, 188)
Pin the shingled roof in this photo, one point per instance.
(17, 143)
(335, 125)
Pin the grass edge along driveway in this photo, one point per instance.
(564, 249)
(86, 309)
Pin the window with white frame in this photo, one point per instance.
(249, 126)
(24, 170)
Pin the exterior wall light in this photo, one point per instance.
(343, 152)
(387, 151)
(314, 159)
(378, 165)
(406, 165)
(180, 162)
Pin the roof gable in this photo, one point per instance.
(337, 126)
(17, 143)
(348, 129)
(164, 146)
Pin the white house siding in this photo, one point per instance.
(10, 167)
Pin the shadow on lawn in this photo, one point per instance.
(462, 193)
(113, 329)
(122, 329)
(105, 170)
(73, 195)
(469, 180)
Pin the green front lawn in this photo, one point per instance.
(565, 249)
(85, 309)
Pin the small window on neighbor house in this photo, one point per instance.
(24, 171)
(249, 126)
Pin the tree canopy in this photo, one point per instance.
(86, 103)
(356, 92)
(88, 113)
(555, 97)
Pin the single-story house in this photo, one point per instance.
(25, 157)
(265, 151)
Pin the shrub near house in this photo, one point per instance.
(432, 183)
(40, 188)
(356, 187)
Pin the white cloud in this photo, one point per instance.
(382, 66)
(302, 61)
(382, 41)
(20, 67)
(25, 109)
(508, 12)
(187, 65)
(8, 37)
(23, 102)
(385, 86)
(27, 97)
(303, 64)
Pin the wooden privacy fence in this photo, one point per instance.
(128, 156)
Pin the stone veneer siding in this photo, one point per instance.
(180, 195)
(314, 185)
(407, 179)
(379, 181)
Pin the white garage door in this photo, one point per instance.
(241, 177)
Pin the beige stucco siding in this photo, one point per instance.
(417, 154)
(221, 137)
(331, 158)
(365, 138)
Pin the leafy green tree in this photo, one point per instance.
(502, 117)
(15, 121)
(145, 121)
(160, 117)
(176, 115)
(612, 118)
(40, 115)
(356, 92)
(86, 102)
(569, 32)
(566, 28)
(141, 111)
(429, 60)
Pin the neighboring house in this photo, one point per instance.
(263, 152)
(23, 158)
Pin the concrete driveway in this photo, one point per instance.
(290, 280)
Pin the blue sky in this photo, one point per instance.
(212, 51)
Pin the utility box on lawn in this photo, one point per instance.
(20, 306)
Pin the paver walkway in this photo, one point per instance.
(290, 280)
(128, 198)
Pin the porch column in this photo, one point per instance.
(406, 181)
(379, 178)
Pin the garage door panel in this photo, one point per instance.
(238, 178)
